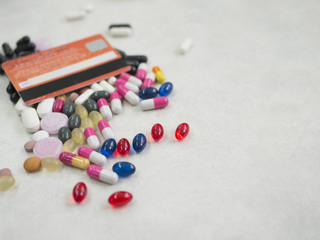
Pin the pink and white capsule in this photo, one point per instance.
(142, 71)
(115, 99)
(130, 78)
(105, 129)
(149, 80)
(92, 138)
(128, 95)
(154, 103)
(106, 86)
(102, 174)
(104, 108)
(93, 156)
(129, 85)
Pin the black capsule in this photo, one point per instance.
(64, 134)
(23, 40)
(14, 97)
(99, 94)
(10, 88)
(7, 50)
(139, 58)
(25, 47)
(91, 105)
(132, 62)
(74, 121)
(148, 93)
(2, 58)
(68, 108)
(25, 53)
(122, 53)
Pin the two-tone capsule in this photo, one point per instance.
(154, 103)
(115, 99)
(149, 80)
(142, 71)
(102, 174)
(128, 95)
(105, 129)
(129, 85)
(89, 133)
(93, 156)
(159, 74)
(130, 78)
(74, 160)
(104, 109)
(59, 103)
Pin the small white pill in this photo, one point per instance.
(84, 96)
(75, 15)
(30, 120)
(20, 106)
(112, 80)
(45, 107)
(186, 45)
(37, 136)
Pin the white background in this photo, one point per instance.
(250, 167)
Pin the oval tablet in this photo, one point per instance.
(21, 106)
(53, 121)
(48, 147)
(64, 134)
(74, 121)
(69, 108)
(139, 142)
(124, 169)
(37, 136)
(30, 120)
(45, 107)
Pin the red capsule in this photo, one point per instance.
(182, 131)
(157, 132)
(119, 199)
(79, 192)
(123, 147)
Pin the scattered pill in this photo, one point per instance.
(142, 71)
(37, 136)
(127, 84)
(92, 138)
(81, 111)
(115, 103)
(45, 107)
(32, 164)
(128, 95)
(74, 160)
(105, 129)
(84, 96)
(186, 45)
(119, 199)
(91, 105)
(49, 163)
(23, 40)
(28, 146)
(94, 157)
(148, 93)
(102, 174)
(75, 15)
(154, 103)
(79, 192)
(120, 30)
(64, 134)
(48, 147)
(96, 87)
(77, 136)
(99, 94)
(95, 116)
(74, 121)
(124, 169)
(139, 142)
(123, 147)
(6, 182)
(30, 120)
(107, 86)
(73, 96)
(20, 106)
(166, 89)
(7, 50)
(14, 97)
(131, 79)
(104, 109)
(69, 108)
(59, 103)
(139, 58)
(25, 47)
(53, 121)
(149, 80)
(82, 90)
(157, 132)
(159, 74)
(182, 131)
(69, 146)
(10, 88)
(5, 172)
(108, 147)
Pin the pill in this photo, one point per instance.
(94, 157)
(108, 147)
(74, 121)
(142, 71)
(122, 53)
(20, 106)
(84, 96)
(157, 131)
(32, 164)
(148, 93)
(96, 87)
(95, 116)
(182, 131)
(149, 80)
(59, 103)
(86, 122)
(127, 84)
(23, 40)
(25, 47)
(64, 134)
(82, 90)
(102, 174)
(159, 74)
(104, 109)
(92, 138)
(81, 111)
(49, 163)
(53, 121)
(74, 160)
(186, 45)
(48, 147)
(88, 7)
(37, 136)
(69, 146)
(115, 102)
(131, 79)
(123, 147)
(120, 30)
(139, 58)
(105, 129)
(107, 86)
(30, 120)
(6, 182)
(120, 198)
(5, 172)
(79, 192)
(45, 107)
(28, 146)
(7, 50)
(166, 89)
(139, 142)
(90, 105)
(112, 80)
(99, 94)
(14, 97)
(124, 169)
(10, 88)
(128, 95)
(69, 108)
(75, 15)
(77, 136)
(73, 96)
(154, 103)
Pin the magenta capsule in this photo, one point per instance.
(59, 103)
(130, 78)
(93, 156)
(115, 102)
(102, 174)
(154, 103)
(92, 138)
(129, 85)
(105, 129)
(74, 160)
(104, 108)
(149, 80)
(128, 95)
(142, 71)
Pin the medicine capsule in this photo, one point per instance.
(14, 97)
(73, 96)
(102, 174)
(182, 131)
(69, 108)
(94, 157)
(106, 86)
(166, 89)
(139, 142)
(25, 47)
(77, 136)
(10, 88)
(108, 147)
(69, 146)
(159, 74)
(99, 94)
(104, 109)
(74, 160)
(120, 30)
(7, 50)
(23, 40)
(149, 80)
(142, 71)
(123, 147)
(105, 129)
(30, 120)
(124, 169)
(74, 121)
(128, 95)
(84, 96)
(148, 93)
(95, 116)
(96, 87)
(64, 134)
(130, 78)
(59, 103)
(86, 123)
(90, 105)
(115, 102)
(129, 85)
(92, 138)
(154, 103)
(49, 163)
(79, 192)
(119, 199)
(7, 182)
(81, 111)
(157, 132)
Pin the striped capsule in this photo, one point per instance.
(130, 78)
(128, 95)
(74, 160)
(159, 74)
(149, 80)
(102, 174)
(92, 138)
(59, 103)
(142, 71)
(104, 109)
(154, 103)
(129, 85)
(115, 102)
(105, 129)
(94, 157)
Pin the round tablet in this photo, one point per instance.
(52, 122)
(48, 147)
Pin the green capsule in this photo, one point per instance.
(74, 121)
(68, 108)
(64, 134)
(91, 105)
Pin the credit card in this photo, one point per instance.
(62, 69)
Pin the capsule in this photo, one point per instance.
(139, 142)
(14, 97)
(105, 129)
(68, 108)
(49, 163)
(95, 116)
(115, 102)
(124, 169)
(148, 93)
(182, 131)
(74, 160)
(90, 105)
(25, 47)
(154, 103)
(45, 107)
(94, 157)
(104, 109)
(81, 111)
(74, 121)
(99, 94)
(77, 136)
(123, 147)
(106, 86)
(142, 71)
(59, 103)
(130, 78)
(108, 147)
(10, 88)
(129, 85)
(120, 30)
(79, 192)
(92, 138)
(157, 132)
(102, 174)
(64, 134)
(23, 40)
(159, 74)
(96, 87)
(84, 96)
(86, 123)
(69, 146)
(7, 50)
(149, 80)
(166, 89)
(119, 199)
(30, 120)
(7, 182)
(128, 95)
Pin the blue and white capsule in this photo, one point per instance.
(139, 142)
(166, 89)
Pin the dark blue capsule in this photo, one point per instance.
(166, 89)
(124, 169)
(108, 147)
(139, 142)
(148, 93)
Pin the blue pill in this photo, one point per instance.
(166, 89)
(108, 147)
(148, 93)
(139, 142)
(124, 169)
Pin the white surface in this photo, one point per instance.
(249, 88)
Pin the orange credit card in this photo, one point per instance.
(63, 69)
